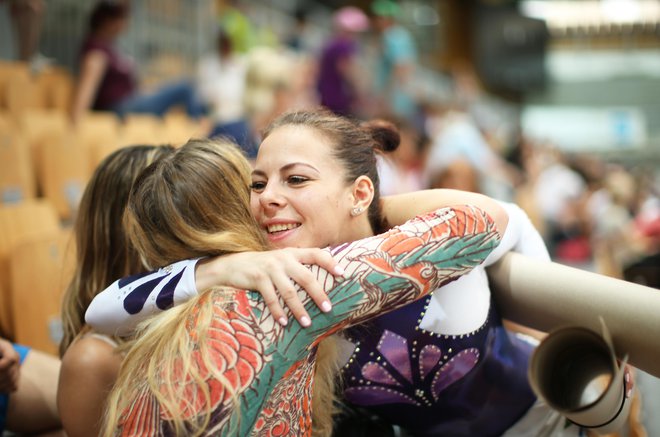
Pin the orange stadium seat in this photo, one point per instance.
(98, 132)
(17, 178)
(22, 93)
(8, 71)
(63, 171)
(41, 126)
(55, 88)
(37, 299)
(19, 222)
(141, 129)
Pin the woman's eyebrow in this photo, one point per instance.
(304, 164)
(261, 173)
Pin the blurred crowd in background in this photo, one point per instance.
(230, 66)
(553, 105)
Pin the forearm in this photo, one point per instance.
(33, 408)
(402, 207)
(390, 270)
(208, 274)
(93, 69)
(82, 100)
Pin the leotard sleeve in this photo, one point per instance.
(520, 236)
(118, 309)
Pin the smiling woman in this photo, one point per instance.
(292, 200)
(333, 172)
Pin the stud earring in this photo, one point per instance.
(356, 211)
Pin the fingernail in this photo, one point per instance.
(305, 322)
(629, 393)
(326, 306)
(627, 377)
(283, 321)
(339, 271)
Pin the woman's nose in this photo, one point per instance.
(271, 197)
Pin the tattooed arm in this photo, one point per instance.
(119, 308)
(128, 301)
(390, 270)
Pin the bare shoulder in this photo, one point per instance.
(89, 369)
(90, 354)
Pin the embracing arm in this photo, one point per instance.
(390, 270)
(399, 208)
(119, 308)
(276, 274)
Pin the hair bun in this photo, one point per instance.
(385, 134)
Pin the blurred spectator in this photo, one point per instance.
(645, 269)
(560, 193)
(107, 78)
(610, 213)
(647, 219)
(461, 158)
(296, 40)
(236, 24)
(234, 16)
(269, 86)
(304, 38)
(221, 86)
(27, 17)
(397, 60)
(28, 386)
(625, 221)
(338, 75)
(496, 118)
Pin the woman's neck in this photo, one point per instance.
(361, 228)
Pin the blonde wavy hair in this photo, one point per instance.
(194, 203)
(103, 250)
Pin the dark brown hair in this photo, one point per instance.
(106, 11)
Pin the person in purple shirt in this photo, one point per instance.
(337, 77)
(107, 79)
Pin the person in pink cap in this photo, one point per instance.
(337, 85)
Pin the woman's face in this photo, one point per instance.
(299, 196)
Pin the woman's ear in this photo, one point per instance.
(363, 193)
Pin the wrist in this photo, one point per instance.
(208, 272)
